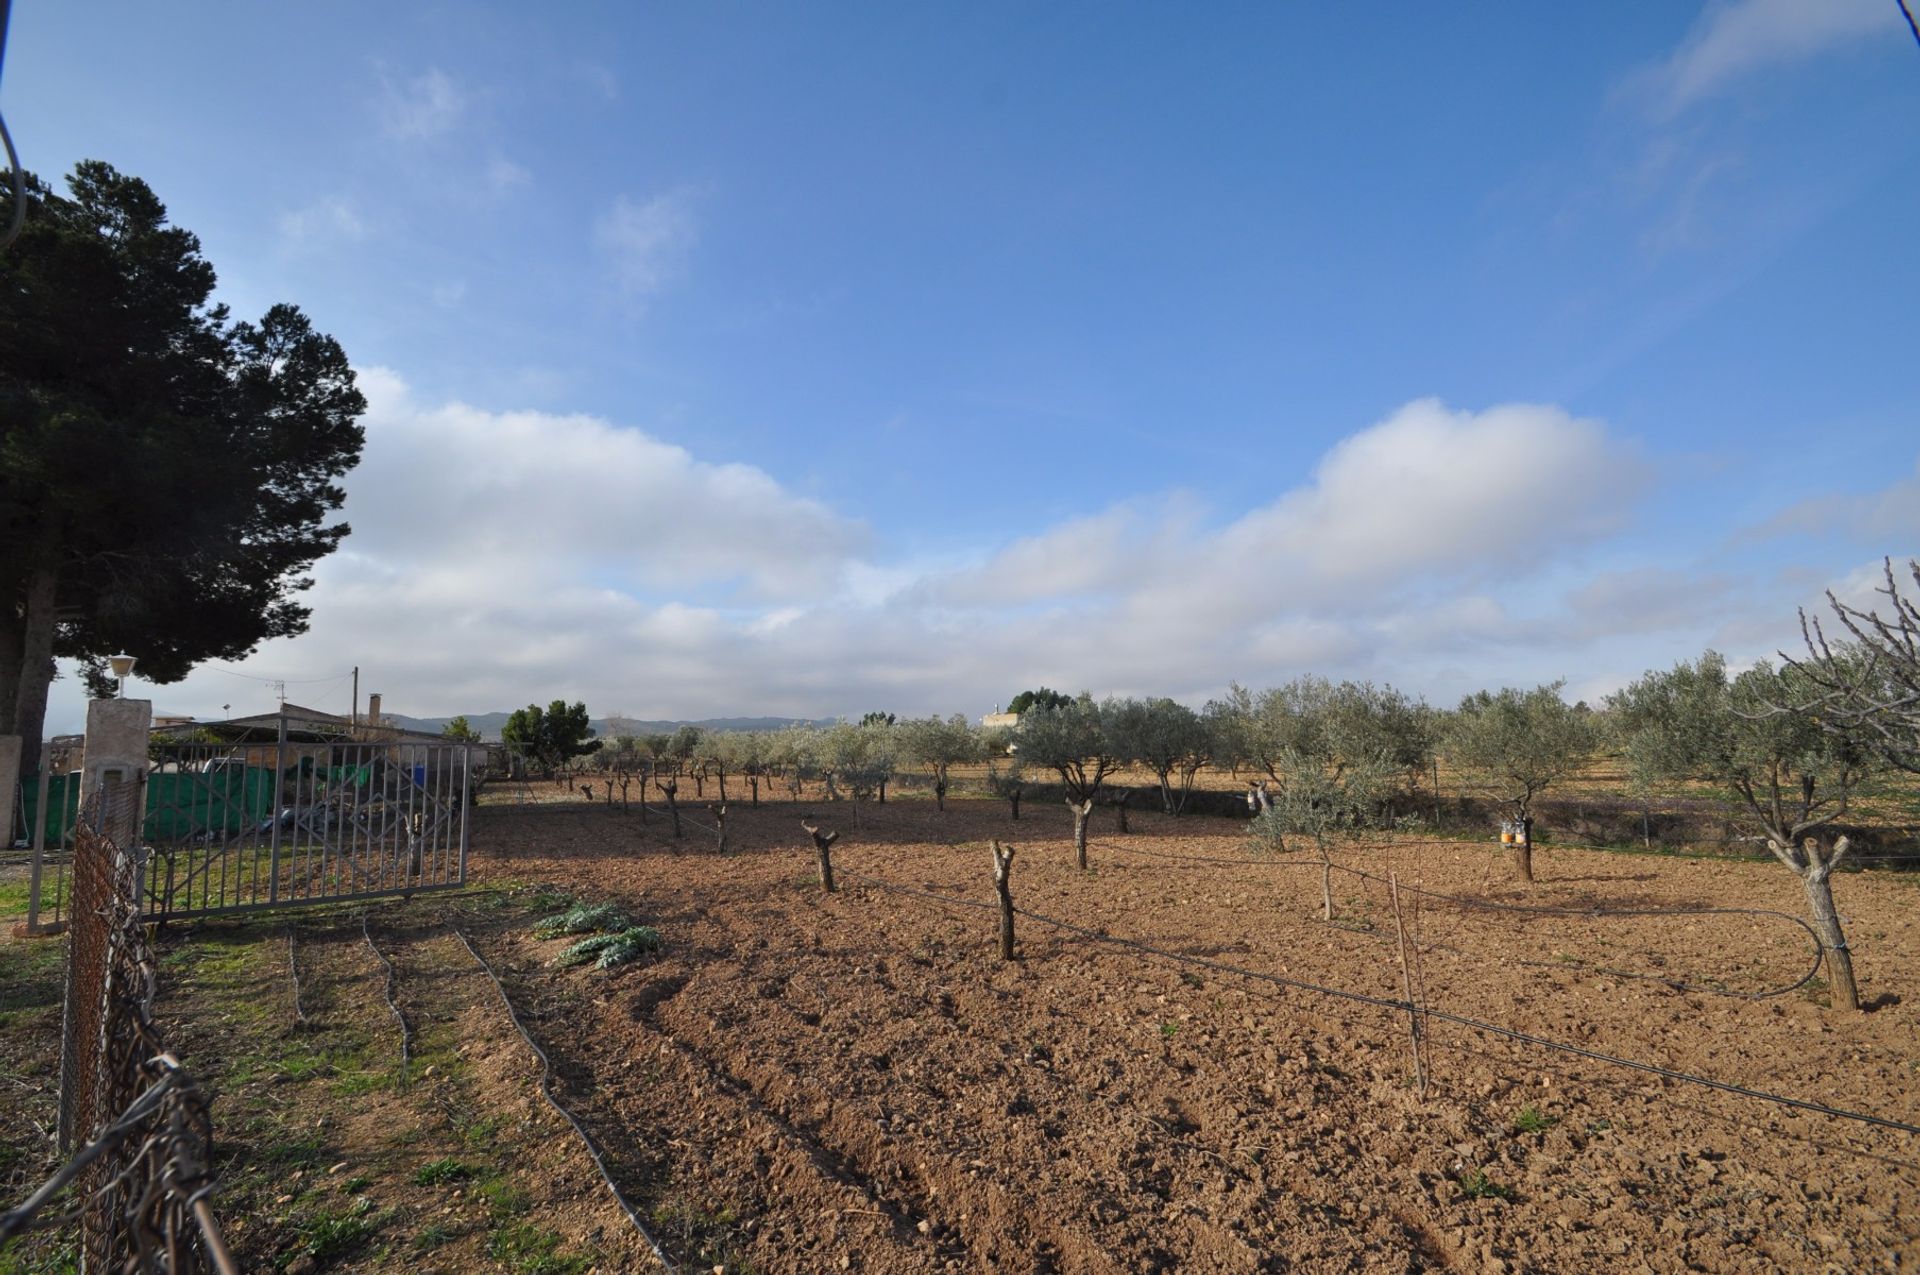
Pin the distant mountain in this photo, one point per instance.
(490, 724)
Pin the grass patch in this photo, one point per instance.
(529, 1250)
(442, 1171)
(479, 1134)
(503, 1199)
(332, 1235)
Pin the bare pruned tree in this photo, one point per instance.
(1867, 686)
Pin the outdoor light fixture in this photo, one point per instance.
(122, 666)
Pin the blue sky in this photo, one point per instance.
(780, 358)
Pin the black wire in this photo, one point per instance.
(546, 1090)
(1813, 971)
(1402, 1006)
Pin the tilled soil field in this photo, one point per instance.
(805, 1081)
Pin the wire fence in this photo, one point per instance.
(1417, 1008)
(138, 1184)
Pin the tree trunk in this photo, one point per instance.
(723, 785)
(1817, 880)
(753, 782)
(940, 794)
(36, 666)
(1326, 881)
(12, 645)
(1523, 851)
(1081, 809)
(1166, 794)
(883, 792)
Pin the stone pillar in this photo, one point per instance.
(116, 757)
(116, 754)
(9, 782)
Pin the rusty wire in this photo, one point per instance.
(138, 1188)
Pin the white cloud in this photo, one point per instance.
(1735, 39)
(1889, 516)
(500, 557)
(332, 219)
(646, 244)
(426, 106)
(455, 487)
(1430, 489)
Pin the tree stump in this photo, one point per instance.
(822, 849)
(1002, 869)
(672, 789)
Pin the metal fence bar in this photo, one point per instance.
(357, 820)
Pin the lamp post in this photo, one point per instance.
(122, 666)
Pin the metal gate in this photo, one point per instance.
(233, 827)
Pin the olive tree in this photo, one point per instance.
(1786, 776)
(860, 757)
(747, 753)
(1319, 799)
(1169, 739)
(1310, 732)
(937, 744)
(792, 755)
(1077, 741)
(1522, 743)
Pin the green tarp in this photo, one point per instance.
(232, 799)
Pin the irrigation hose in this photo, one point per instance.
(546, 1090)
(406, 1034)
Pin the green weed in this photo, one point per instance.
(1531, 1119)
(582, 918)
(435, 1236)
(1476, 1185)
(609, 950)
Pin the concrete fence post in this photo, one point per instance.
(9, 786)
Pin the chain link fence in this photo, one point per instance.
(137, 1185)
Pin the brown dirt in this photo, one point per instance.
(315, 1134)
(852, 1081)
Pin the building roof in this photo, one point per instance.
(304, 725)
